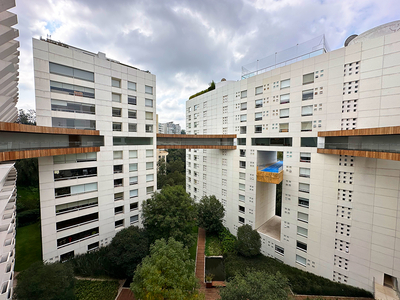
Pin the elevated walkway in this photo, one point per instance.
(195, 141)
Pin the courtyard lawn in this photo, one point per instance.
(213, 246)
(193, 249)
(28, 247)
(96, 290)
(28, 198)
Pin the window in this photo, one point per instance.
(149, 153)
(77, 237)
(285, 83)
(148, 89)
(67, 256)
(242, 164)
(119, 196)
(242, 175)
(308, 142)
(284, 127)
(132, 141)
(71, 89)
(76, 205)
(117, 154)
(285, 98)
(287, 142)
(284, 113)
(148, 102)
(258, 116)
(305, 157)
(195, 107)
(259, 103)
(242, 153)
(116, 82)
(308, 95)
(133, 193)
(302, 217)
(134, 206)
(243, 94)
(131, 86)
(149, 189)
(304, 202)
(93, 246)
(73, 123)
(74, 173)
(304, 187)
(301, 260)
(116, 97)
(308, 78)
(116, 112)
(149, 128)
(132, 114)
(119, 223)
(258, 129)
(132, 153)
(149, 115)
(71, 72)
(242, 209)
(306, 126)
(132, 127)
(242, 198)
(243, 118)
(243, 129)
(279, 250)
(133, 167)
(117, 126)
(118, 182)
(149, 177)
(75, 189)
(70, 223)
(133, 180)
(149, 165)
(304, 172)
(259, 90)
(243, 106)
(302, 231)
(242, 186)
(75, 107)
(307, 110)
(117, 169)
(241, 220)
(241, 141)
(134, 219)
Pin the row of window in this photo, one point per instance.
(132, 154)
(132, 113)
(132, 127)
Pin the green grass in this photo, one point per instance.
(28, 198)
(96, 290)
(28, 246)
(193, 249)
(301, 282)
(213, 246)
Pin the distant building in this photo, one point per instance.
(169, 128)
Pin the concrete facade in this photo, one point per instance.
(340, 215)
(169, 128)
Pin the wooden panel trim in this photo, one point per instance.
(14, 155)
(269, 177)
(197, 136)
(365, 131)
(196, 147)
(368, 154)
(15, 127)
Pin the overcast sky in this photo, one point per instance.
(186, 44)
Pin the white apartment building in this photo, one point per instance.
(169, 128)
(340, 215)
(86, 198)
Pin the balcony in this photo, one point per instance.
(270, 173)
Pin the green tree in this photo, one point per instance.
(176, 154)
(249, 241)
(28, 172)
(256, 285)
(26, 117)
(127, 249)
(210, 213)
(46, 282)
(170, 213)
(167, 273)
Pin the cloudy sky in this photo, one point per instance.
(188, 43)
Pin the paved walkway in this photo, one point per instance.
(212, 293)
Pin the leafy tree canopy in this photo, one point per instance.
(26, 117)
(210, 213)
(46, 282)
(170, 213)
(256, 285)
(249, 241)
(167, 273)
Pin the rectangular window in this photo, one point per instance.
(134, 219)
(304, 172)
(149, 128)
(116, 112)
(302, 217)
(258, 116)
(131, 86)
(259, 90)
(306, 126)
(284, 127)
(117, 154)
(242, 153)
(118, 169)
(308, 78)
(148, 102)
(243, 130)
(301, 246)
(118, 182)
(241, 220)
(149, 153)
(74, 173)
(71, 72)
(302, 231)
(243, 118)
(116, 97)
(285, 98)
(243, 106)
(284, 113)
(134, 206)
(148, 89)
(242, 164)
(149, 189)
(149, 165)
(119, 196)
(132, 100)
(241, 141)
(304, 187)
(258, 129)
(132, 114)
(133, 193)
(301, 260)
(76, 205)
(305, 157)
(242, 175)
(75, 107)
(259, 103)
(242, 209)
(279, 250)
(307, 110)
(308, 95)
(243, 94)
(285, 83)
(133, 180)
(308, 142)
(70, 239)
(304, 202)
(195, 107)
(73, 123)
(119, 223)
(116, 82)
(132, 153)
(242, 198)
(132, 127)
(133, 167)
(71, 89)
(70, 223)
(132, 141)
(117, 126)
(149, 115)
(242, 186)
(149, 177)
(76, 189)
(93, 246)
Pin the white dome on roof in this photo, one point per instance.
(377, 32)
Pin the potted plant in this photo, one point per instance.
(209, 279)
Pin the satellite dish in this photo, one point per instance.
(349, 39)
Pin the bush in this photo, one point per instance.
(209, 214)
(249, 241)
(228, 241)
(93, 264)
(96, 290)
(28, 217)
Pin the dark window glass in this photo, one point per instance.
(77, 237)
(77, 221)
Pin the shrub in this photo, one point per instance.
(93, 264)
(209, 214)
(28, 217)
(96, 290)
(249, 241)
(228, 241)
